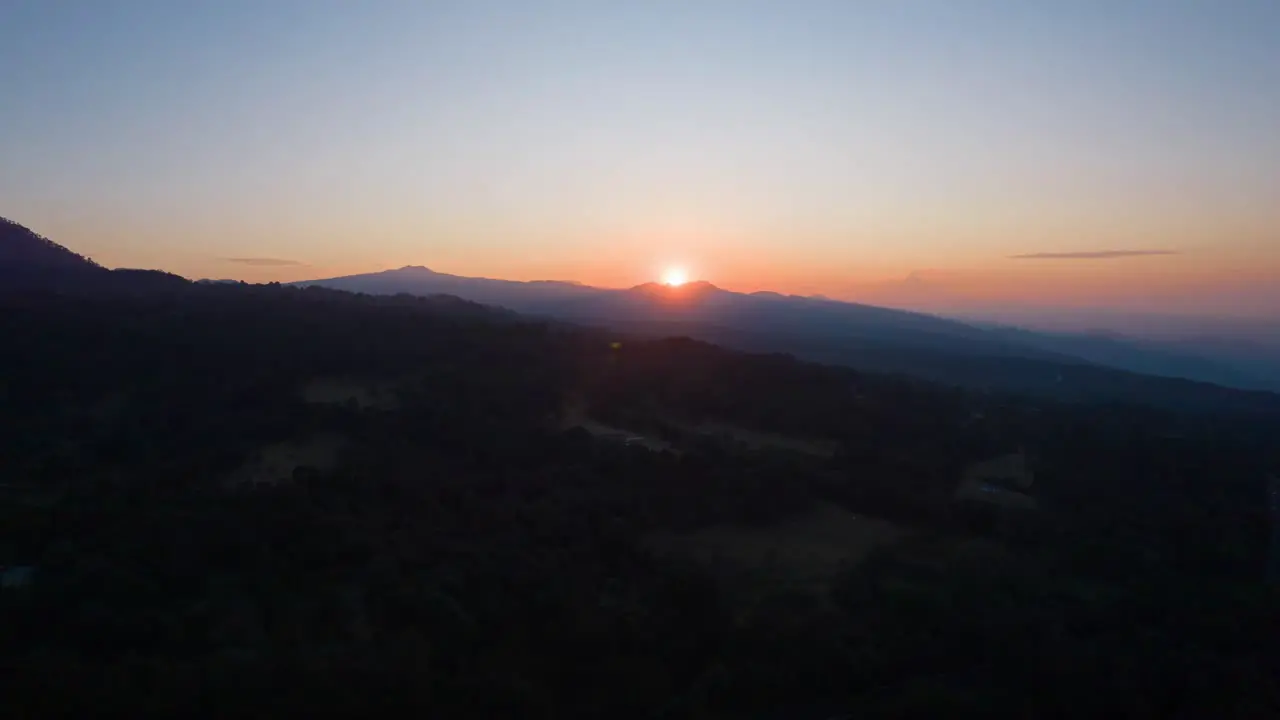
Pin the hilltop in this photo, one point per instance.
(29, 260)
(24, 251)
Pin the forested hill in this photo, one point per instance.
(32, 262)
(228, 498)
(25, 251)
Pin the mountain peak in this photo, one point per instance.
(696, 288)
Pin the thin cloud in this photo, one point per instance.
(1094, 255)
(266, 262)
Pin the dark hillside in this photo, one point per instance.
(24, 252)
(30, 261)
(233, 497)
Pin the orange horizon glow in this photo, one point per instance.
(1141, 284)
(1200, 279)
(929, 159)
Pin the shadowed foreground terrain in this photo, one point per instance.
(262, 499)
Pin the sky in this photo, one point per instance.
(1085, 153)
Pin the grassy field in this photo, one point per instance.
(367, 394)
(993, 481)
(761, 440)
(808, 549)
(275, 463)
(631, 438)
(575, 416)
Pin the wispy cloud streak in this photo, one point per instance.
(1092, 255)
(265, 262)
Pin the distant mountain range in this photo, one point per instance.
(1061, 366)
(700, 305)
(863, 336)
(1197, 361)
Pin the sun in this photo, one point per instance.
(675, 277)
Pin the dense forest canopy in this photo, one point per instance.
(263, 499)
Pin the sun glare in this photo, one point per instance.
(675, 276)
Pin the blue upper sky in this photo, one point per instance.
(795, 144)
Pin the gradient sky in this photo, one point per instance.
(854, 149)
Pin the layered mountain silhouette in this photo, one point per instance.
(861, 336)
(699, 304)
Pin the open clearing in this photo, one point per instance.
(762, 440)
(994, 482)
(366, 394)
(575, 416)
(623, 435)
(809, 548)
(275, 463)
